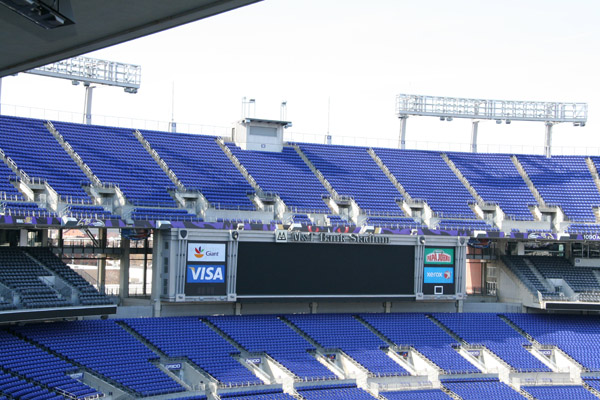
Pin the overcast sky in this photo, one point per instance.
(355, 56)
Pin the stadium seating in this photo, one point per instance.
(393, 222)
(559, 392)
(164, 214)
(267, 333)
(496, 335)
(18, 388)
(579, 279)
(294, 182)
(7, 190)
(334, 392)
(81, 211)
(426, 176)
(199, 343)
(302, 219)
(115, 156)
(575, 335)
(88, 295)
(496, 179)
(428, 394)
(106, 348)
(523, 271)
(56, 166)
(419, 332)
(24, 209)
(36, 359)
(592, 381)
(564, 181)
(200, 164)
(465, 224)
(352, 172)
(343, 331)
(584, 228)
(266, 394)
(482, 388)
(39, 367)
(22, 275)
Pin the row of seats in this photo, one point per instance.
(116, 156)
(36, 359)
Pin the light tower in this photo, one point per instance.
(93, 71)
(448, 108)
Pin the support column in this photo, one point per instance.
(548, 144)
(44, 234)
(474, 130)
(145, 277)
(124, 269)
(161, 270)
(403, 132)
(0, 96)
(61, 241)
(23, 238)
(88, 104)
(102, 261)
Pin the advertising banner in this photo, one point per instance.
(206, 269)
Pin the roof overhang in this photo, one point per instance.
(97, 24)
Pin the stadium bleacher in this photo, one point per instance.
(334, 392)
(40, 367)
(497, 336)
(200, 164)
(427, 394)
(116, 157)
(212, 354)
(426, 176)
(295, 183)
(106, 348)
(559, 392)
(565, 181)
(421, 333)
(496, 180)
(39, 358)
(343, 331)
(575, 335)
(22, 275)
(87, 294)
(368, 186)
(482, 388)
(56, 167)
(267, 333)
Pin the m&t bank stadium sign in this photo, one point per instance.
(329, 237)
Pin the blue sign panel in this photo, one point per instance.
(205, 273)
(438, 275)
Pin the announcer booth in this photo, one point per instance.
(205, 265)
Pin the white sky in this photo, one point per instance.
(358, 54)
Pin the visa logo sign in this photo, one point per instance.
(205, 274)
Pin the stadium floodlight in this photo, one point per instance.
(447, 108)
(92, 70)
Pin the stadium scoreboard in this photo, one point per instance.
(203, 265)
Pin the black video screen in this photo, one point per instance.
(271, 269)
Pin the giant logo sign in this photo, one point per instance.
(207, 252)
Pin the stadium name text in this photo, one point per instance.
(328, 237)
